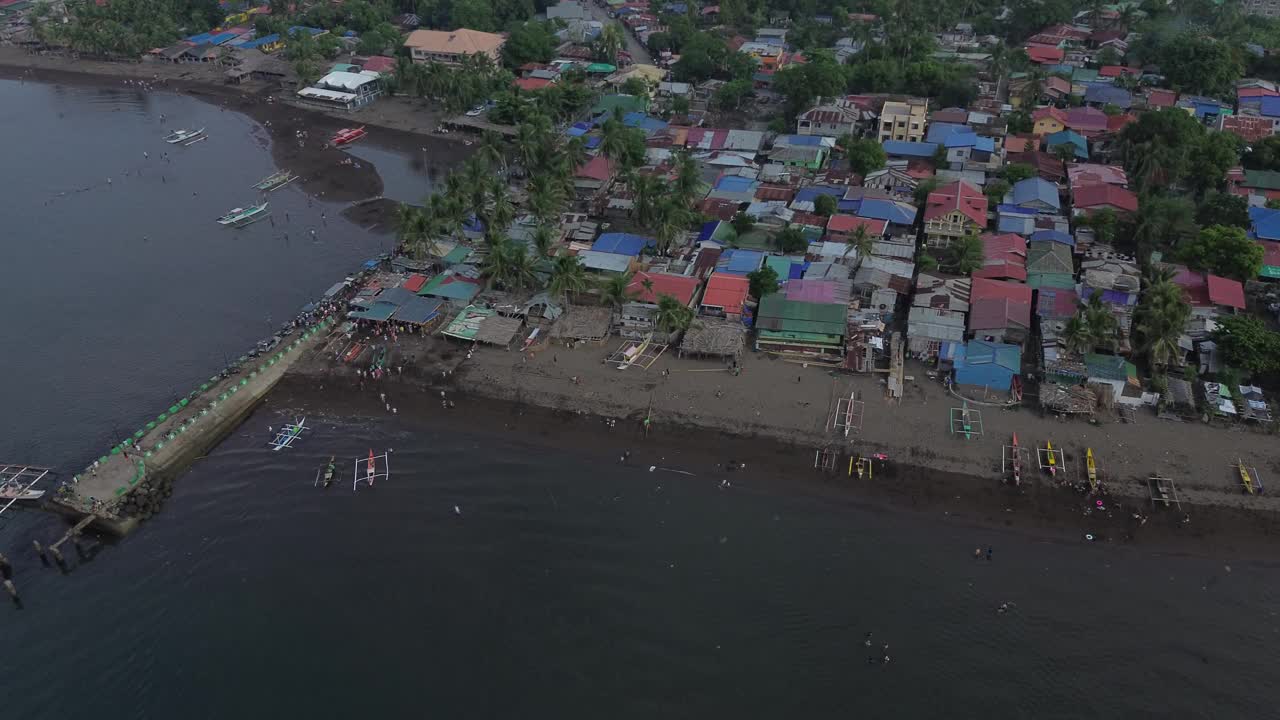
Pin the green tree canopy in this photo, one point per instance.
(762, 282)
(1247, 344)
(1219, 208)
(825, 205)
(1223, 250)
(529, 42)
(865, 155)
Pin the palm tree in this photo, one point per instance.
(567, 276)
(528, 145)
(496, 266)
(860, 241)
(575, 152)
(520, 268)
(1100, 322)
(610, 43)
(406, 217)
(687, 179)
(673, 315)
(966, 254)
(613, 142)
(493, 150)
(543, 240)
(1160, 320)
(1075, 335)
(501, 209)
(616, 290)
(644, 191)
(545, 199)
(672, 220)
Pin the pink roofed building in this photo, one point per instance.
(1091, 198)
(841, 227)
(1083, 174)
(1087, 121)
(1209, 295)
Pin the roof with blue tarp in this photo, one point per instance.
(1017, 224)
(986, 364)
(1108, 94)
(941, 131)
(640, 120)
(902, 148)
(200, 39)
(578, 129)
(739, 262)
(1052, 236)
(734, 183)
(593, 141)
(891, 211)
(800, 140)
(783, 265)
(1035, 190)
(621, 244)
(716, 231)
(810, 194)
(265, 40)
(221, 38)
(978, 142)
(1266, 223)
(1270, 107)
(419, 310)
(1062, 137)
(1004, 209)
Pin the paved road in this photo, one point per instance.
(639, 53)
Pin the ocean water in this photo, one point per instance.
(563, 587)
(560, 586)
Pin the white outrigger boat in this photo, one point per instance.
(14, 491)
(239, 217)
(288, 434)
(185, 137)
(371, 468)
(275, 182)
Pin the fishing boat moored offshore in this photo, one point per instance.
(183, 136)
(239, 217)
(275, 182)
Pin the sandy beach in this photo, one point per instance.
(774, 416)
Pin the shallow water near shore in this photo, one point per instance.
(572, 588)
(562, 585)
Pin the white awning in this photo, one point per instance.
(315, 93)
(346, 80)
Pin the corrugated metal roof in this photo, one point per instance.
(779, 314)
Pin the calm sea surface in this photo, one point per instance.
(559, 587)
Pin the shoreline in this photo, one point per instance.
(298, 133)
(695, 453)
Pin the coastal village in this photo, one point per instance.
(1058, 218)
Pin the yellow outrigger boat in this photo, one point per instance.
(1245, 477)
(1092, 467)
(1053, 462)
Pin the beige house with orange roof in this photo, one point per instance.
(451, 46)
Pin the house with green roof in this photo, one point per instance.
(625, 103)
(801, 329)
(1117, 373)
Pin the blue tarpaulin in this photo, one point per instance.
(621, 244)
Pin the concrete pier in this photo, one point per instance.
(188, 430)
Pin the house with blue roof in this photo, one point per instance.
(971, 151)
(622, 244)
(986, 364)
(650, 125)
(1034, 193)
(1056, 236)
(1270, 107)
(734, 188)
(803, 201)
(1101, 94)
(1068, 137)
(909, 150)
(1265, 223)
(1014, 219)
(940, 131)
(900, 217)
(737, 261)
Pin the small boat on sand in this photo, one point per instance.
(1053, 459)
(239, 217)
(275, 182)
(183, 136)
(1247, 479)
(346, 136)
(1092, 467)
(328, 472)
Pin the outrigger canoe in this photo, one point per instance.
(178, 136)
(1053, 461)
(1017, 461)
(1092, 468)
(1246, 478)
(239, 217)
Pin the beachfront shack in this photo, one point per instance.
(475, 324)
(638, 318)
(984, 364)
(344, 90)
(725, 296)
(812, 331)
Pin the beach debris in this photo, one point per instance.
(457, 510)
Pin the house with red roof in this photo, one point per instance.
(1048, 120)
(1091, 198)
(593, 176)
(1116, 123)
(638, 318)
(1115, 71)
(1083, 174)
(378, 64)
(1249, 128)
(999, 311)
(1161, 98)
(953, 211)
(1044, 54)
(529, 84)
(725, 296)
(1087, 121)
(1004, 257)
(841, 227)
(1209, 295)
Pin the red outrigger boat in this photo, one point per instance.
(346, 136)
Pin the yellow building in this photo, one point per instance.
(1048, 120)
(450, 47)
(903, 120)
